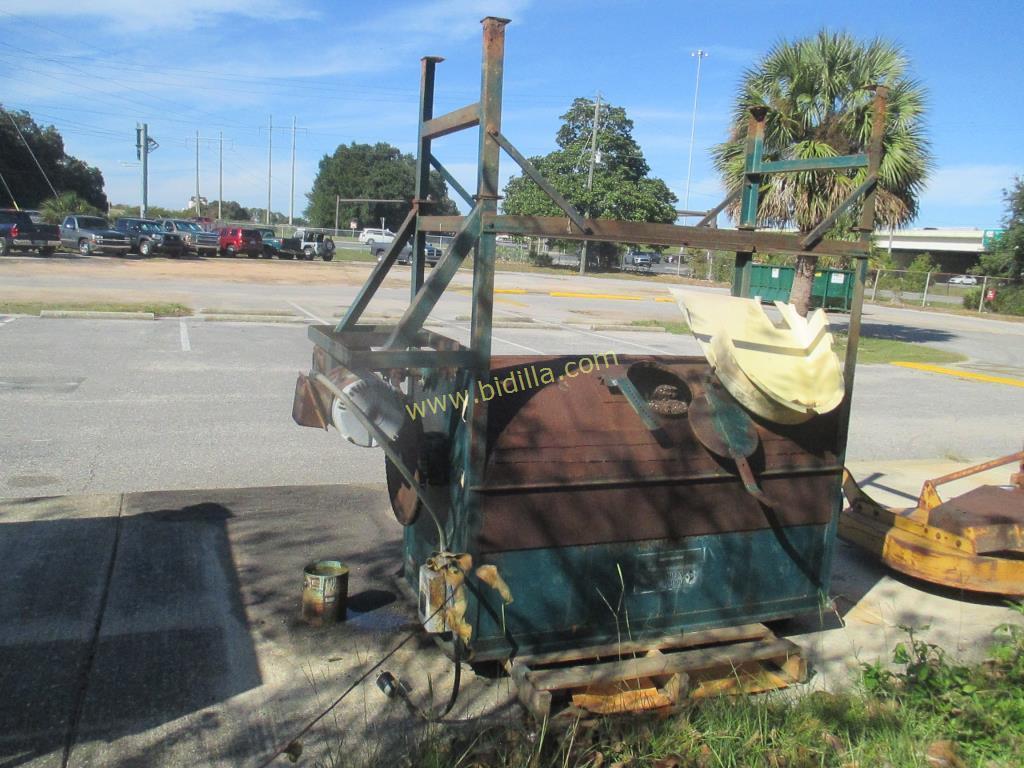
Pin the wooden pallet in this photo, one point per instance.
(655, 675)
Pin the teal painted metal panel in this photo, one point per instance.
(571, 596)
(770, 282)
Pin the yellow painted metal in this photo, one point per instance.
(907, 542)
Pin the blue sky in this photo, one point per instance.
(350, 72)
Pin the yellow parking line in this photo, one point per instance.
(963, 374)
(669, 299)
(571, 295)
(510, 290)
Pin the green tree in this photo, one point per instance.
(370, 171)
(1007, 258)
(27, 185)
(54, 209)
(818, 92)
(621, 188)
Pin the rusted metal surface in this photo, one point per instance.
(457, 120)
(312, 404)
(611, 231)
(566, 465)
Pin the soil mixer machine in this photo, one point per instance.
(562, 505)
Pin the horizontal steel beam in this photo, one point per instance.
(460, 119)
(811, 164)
(639, 232)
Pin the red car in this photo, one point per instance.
(235, 240)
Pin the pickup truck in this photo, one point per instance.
(92, 234)
(197, 241)
(431, 253)
(18, 232)
(307, 245)
(147, 238)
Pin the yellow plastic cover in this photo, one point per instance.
(785, 372)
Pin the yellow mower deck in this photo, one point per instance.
(973, 542)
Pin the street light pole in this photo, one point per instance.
(700, 54)
(590, 175)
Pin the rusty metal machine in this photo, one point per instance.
(973, 542)
(554, 504)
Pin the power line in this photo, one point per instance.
(34, 158)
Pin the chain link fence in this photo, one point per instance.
(934, 289)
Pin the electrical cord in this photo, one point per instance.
(290, 745)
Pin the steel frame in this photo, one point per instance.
(407, 346)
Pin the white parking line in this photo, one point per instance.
(644, 347)
(186, 345)
(497, 338)
(310, 315)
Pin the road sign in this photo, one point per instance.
(990, 294)
(990, 237)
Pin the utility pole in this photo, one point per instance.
(142, 153)
(270, 163)
(337, 202)
(220, 179)
(291, 198)
(590, 175)
(199, 207)
(700, 54)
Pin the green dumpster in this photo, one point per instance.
(832, 289)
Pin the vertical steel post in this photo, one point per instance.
(984, 288)
(483, 268)
(428, 64)
(927, 283)
(749, 196)
(866, 227)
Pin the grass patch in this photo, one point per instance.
(670, 326)
(160, 309)
(873, 351)
(925, 710)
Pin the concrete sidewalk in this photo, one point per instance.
(161, 629)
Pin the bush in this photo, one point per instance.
(971, 298)
(1009, 300)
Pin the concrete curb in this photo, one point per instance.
(88, 315)
(217, 318)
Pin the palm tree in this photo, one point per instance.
(818, 91)
(54, 209)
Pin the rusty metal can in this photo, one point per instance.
(324, 592)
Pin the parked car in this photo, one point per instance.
(92, 234)
(147, 238)
(18, 232)
(963, 280)
(308, 245)
(196, 240)
(371, 237)
(235, 240)
(636, 261)
(272, 244)
(432, 254)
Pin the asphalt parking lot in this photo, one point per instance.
(168, 631)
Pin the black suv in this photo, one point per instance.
(148, 238)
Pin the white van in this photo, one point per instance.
(371, 236)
